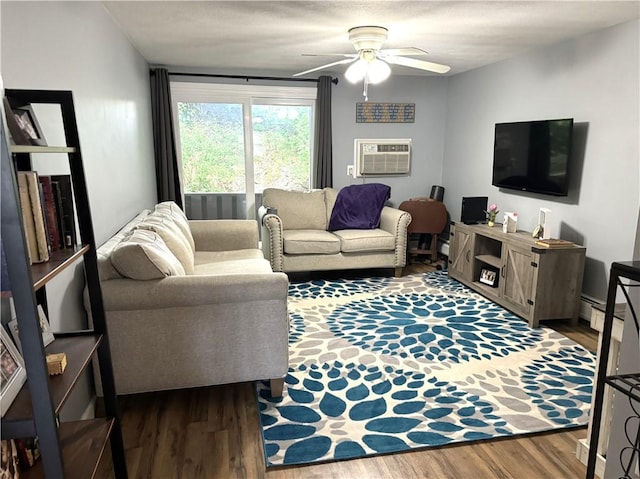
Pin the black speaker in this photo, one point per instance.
(473, 209)
(437, 193)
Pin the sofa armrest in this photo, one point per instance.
(273, 241)
(264, 211)
(192, 291)
(224, 235)
(396, 222)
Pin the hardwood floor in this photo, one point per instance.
(214, 432)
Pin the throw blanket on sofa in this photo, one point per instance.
(359, 207)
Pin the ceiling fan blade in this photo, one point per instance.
(419, 64)
(403, 51)
(339, 62)
(346, 55)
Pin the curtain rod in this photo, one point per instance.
(245, 77)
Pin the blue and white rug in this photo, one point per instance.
(382, 365)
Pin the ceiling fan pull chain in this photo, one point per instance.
(365, 93)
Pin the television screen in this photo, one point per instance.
(533, 156)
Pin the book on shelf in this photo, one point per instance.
(63, 190)
(42, 238)
(51, 213)
(554, 243)
(31, 209)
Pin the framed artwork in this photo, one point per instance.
(368, 112)
(23, 125)
(47, 334)
(12, 371)
(489, 276)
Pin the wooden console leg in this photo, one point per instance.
(277, 385)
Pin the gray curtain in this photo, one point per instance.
(167, 171)
(323, 173)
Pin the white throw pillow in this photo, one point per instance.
(143, 255)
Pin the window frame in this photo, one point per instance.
(247, 96)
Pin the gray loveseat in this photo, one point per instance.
(295, 236)
(192, 303)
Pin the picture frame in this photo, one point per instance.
(26, 119)
(12, 372)
(489, 277)
(23, 125)
(47, 334)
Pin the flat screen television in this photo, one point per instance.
(533, 156)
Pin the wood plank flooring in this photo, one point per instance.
(214, 432)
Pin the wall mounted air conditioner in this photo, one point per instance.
(382, 157)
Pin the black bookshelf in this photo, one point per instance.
(69, 449)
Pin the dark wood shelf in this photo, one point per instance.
(83, 443)
(59, 260)
(79, 351)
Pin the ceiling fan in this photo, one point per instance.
(371, 63)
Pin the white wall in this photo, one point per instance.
(427, 133)
(76, 46)
(593, 79)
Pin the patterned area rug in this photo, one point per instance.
(382, 365)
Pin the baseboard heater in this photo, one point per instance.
(586, 303)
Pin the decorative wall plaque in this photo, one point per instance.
(369, 112)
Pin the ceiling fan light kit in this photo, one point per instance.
(371, 64)
(374, 71)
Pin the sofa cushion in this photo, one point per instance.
(143, 255)
(310, 242)
(212, 257)
(298, 210)
(355, 241)
(172, 236)
(234, 266)
(359, 206)
(171, 209)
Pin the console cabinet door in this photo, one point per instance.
(461, 253)
(517, 278)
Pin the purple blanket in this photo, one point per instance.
(359, 207)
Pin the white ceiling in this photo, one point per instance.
(270, 37)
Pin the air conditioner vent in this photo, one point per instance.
(382, 157)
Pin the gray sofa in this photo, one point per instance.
(192, 303)
(295, 236)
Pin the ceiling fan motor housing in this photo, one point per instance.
(367, 38)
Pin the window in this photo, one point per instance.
(236, 140)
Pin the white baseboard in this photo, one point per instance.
(582, 453)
